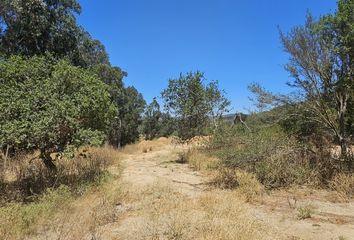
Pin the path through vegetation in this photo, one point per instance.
(155, 197)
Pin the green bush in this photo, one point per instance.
(276, 159)
(48, 105)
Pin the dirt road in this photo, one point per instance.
(157, 198)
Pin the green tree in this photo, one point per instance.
(125, 128)
(151, 125)
(168, 125)
(193, 103)
(31, 27)
(48, 105)
(35, 27)
(321, 65)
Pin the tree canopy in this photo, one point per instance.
(49, 105)
(194, 103)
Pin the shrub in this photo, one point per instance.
(200, 161)
(283, 168)
(249, 187)
(226, 178)
(276, 159)
(50, 105)
(343, 184)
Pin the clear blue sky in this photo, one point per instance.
(233, 41)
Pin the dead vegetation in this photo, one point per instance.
(26, 176)
(343, 184)
(43, 199)
(163, 213)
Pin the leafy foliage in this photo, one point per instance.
(129, 117)
(36, 27)
(30, 28)
(48, 105)
(194, 103)
(151, 123)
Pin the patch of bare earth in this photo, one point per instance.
(328, 219)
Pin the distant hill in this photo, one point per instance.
(231, 116)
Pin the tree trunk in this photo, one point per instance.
(342, 136)
(48, 161)
(6, 156)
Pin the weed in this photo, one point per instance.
(305, 212)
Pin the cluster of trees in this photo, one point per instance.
(322, 67)
(57, 86)
(59, 89)
(192, 106)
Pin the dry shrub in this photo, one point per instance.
(246, 184)
(199, 160)
(277, 160)
(164, 214)
(285, 167)
(27, 176)
(249, 187)
(226, 178)
(343, 184)
(305, 212)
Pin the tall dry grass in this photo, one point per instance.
(145, 146)
(33, 196)
(198, 160)
(218, 214)
(26, 175)
(343, 184)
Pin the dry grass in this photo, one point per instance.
(145, 146)
(343, 184)
(55, 208)
(26, 175)
(200, 161)
(166, 214)
(246, 183)
(19, 220)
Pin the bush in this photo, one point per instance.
(51, 104)
(199, 161)
(305, 212)
(249, 187)
(226, 178)
(276, 159)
